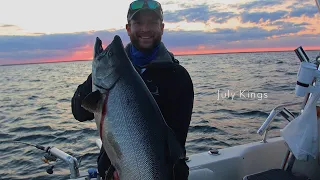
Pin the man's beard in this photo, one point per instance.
(135, 42)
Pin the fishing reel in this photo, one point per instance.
(308, 72)
(48, 158)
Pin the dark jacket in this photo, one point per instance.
(172, 88)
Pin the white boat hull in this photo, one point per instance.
(234, 163)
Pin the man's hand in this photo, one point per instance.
(115, 176)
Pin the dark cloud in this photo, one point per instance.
(204, 12)
(307, 10)
(255, 17)
(292, 41)
(22, 55)
(222, 17)
(7, 26)
(295, 5)
(54, 41)
(289, 24)
(50, 46)
(200, 13)
(259, 4)
(172, 17)
(60, 45)
(24, 48)
(289, 27)
(294, 10)
(221, 36)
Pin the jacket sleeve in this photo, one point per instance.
(184, 106)
(79, 113)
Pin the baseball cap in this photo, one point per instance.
(139, 5)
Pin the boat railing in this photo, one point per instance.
(283, 111)
(300, 91)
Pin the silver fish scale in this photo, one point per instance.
(134, 133)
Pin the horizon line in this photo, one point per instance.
(176, 55)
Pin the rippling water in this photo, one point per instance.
(35, 107)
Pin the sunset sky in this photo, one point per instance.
(62, 30)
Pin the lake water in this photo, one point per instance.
(35, 107)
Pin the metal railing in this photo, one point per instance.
(282, 110)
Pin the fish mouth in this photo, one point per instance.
(100, 87)
(102, 82)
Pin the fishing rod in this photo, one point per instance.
(29, 144)
(52, 154)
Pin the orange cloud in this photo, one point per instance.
(201, 47)
(85, 53)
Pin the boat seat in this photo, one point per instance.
(275, 174)
(201, 174)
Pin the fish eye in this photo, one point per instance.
(110, 53)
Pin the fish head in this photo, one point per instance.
(106, 70)
(106, 63)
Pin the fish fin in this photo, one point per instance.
(109, 172)
(91, 101)
(175, 150)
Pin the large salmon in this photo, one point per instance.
(139, 143)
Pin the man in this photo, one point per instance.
(168, 81)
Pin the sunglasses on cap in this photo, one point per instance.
(138, 5)
(144, 3)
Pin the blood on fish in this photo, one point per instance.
(104, 113)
